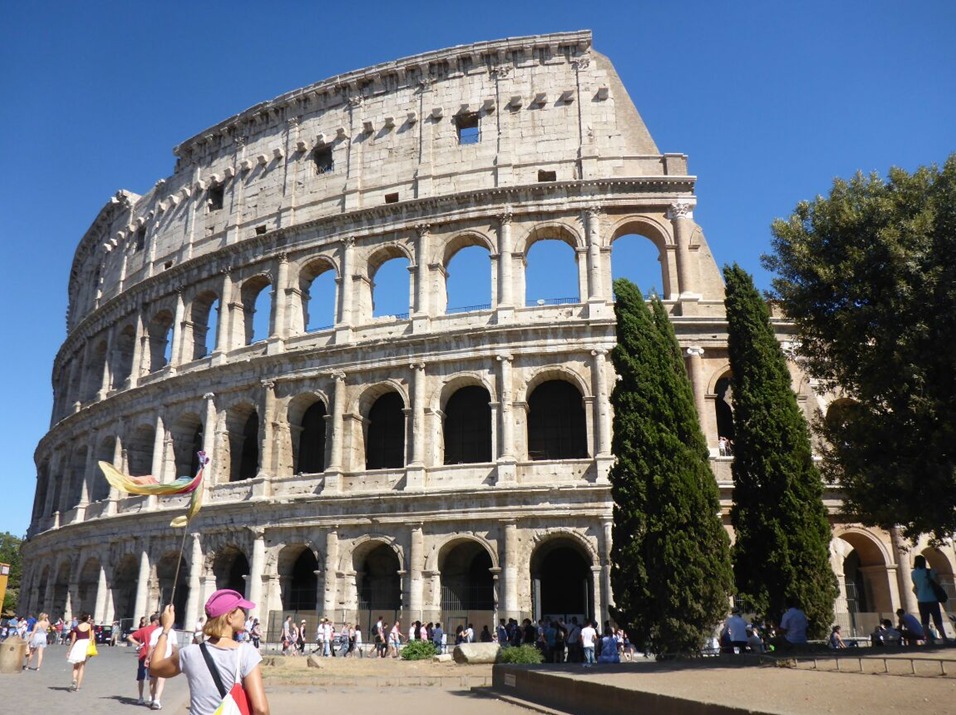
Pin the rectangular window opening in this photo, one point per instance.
(391, 198)
(260, 230)
(323, 160)
(216, 196)
(467, 126)
(139, 239)
(547, 175)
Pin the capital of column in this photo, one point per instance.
(599, 351)
(695, 352)
(348, 241)
(504, 357)
(416, 366)
(337, 375)
(209, 396)
(268, 384)
(505, 217)
(423, 229)
(679, 210)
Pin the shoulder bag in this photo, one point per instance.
(938, 590)
(236, 701)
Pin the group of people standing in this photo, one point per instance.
(329, 641)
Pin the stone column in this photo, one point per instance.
(345, 282)
(136, 366)
(506, 454)
(600, 603)
(331, 567)
(90, 470)
(695, 370)
(102, 593)
(416, 564)
(904, 580)
(180, 328)
(418, 414)
(254, 584)
(505, 249)
(142, 586)
(209, 435)
(510, 570)
(593, 230)
(193, 603)
(159, 445)
(333, 473)
(681, 216)
(280, 300)
(422, 304)
(602, 404)
(106, 378)
(224, 326)
(118, 463)
(607, 523)
(267, 428)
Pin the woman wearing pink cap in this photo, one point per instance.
(221, 655)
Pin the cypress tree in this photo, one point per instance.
(782, 530)
(671, 572)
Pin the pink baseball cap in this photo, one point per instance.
(225, 600)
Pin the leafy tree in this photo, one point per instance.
(10, 554)
(868, 274)
(670, 571)
(782, 530)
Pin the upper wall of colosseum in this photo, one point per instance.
(470, 119)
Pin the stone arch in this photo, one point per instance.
(561, 571)
(557, 421)
(93, 378)
(121, 356)
(61, 589)
(139, 445)
(377, 565)
(186, 431)
(312, 269)
(384, 425)
(104, 451)
(467, 425)
(296, 567)
(230, 567)
(201, 313)
(242, 443)
(87, 584)
(458, 295)
(863, 560)
(167, 565)
(159, 333)
(938, 560)
(466, 564)
(558, 230)
(308, 421)
(123, 586)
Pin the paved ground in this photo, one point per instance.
(403, 688)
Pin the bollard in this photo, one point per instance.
(13, 651)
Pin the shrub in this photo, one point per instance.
(419, 650)
(522, 654)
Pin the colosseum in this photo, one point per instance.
(438, 462)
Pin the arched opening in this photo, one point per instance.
(187, 434)
(158, 331)
(39, 497)
(298, 578)
(562, 584)
(125, 579)
(866, 582)
(87, 585)
(231, 569)
(139, 450)
(243, 444)
(468, 280)
(317, 287)
(310, 457)
(379, 584)
(385, 440)
(724, 408)
(637, 258)
(551, 273)
(937, 560)
(166, 574)
(467, 428)
(391, 289)
(100, 488)
(467, 585)
(122, 356)
(94, 372)
(205, 324)
(557, 426)
(256, 309)
(77, 476)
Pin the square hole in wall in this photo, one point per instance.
(547, 175)
(467, 126)
(323, 159)
(391, 198)
(215, 197)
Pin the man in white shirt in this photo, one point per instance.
(156, 685)
(733, 637)
(794, 624)
(588, 636)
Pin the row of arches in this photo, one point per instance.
(285, 298)
(374, 576)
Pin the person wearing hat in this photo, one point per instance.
(226, 612)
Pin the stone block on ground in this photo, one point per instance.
(476, 653)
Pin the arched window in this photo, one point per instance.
(724, 407)
(551, 273)
(159, 330)
(636, 258)
(468, 280)
(557, 428)
(122, 356)
(205, 324)
(468, 426)
(385, 443)
(317, 286)
(244, 448)
(311, 456)
(256, 309)
(390, 289)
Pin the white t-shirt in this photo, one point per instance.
(588, 634)
(154, 639)
(795, 622)
(204, 697)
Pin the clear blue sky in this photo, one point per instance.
(771, 101)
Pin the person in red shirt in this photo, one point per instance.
(140, 639)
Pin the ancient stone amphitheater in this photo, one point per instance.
(437, 461)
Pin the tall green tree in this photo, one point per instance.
(670, 571)
(782, 531)
(868, 275)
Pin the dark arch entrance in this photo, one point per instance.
(312, 441)
(561, 582)
(300, 595)
(467, 587)
(231, 569)
(557, 428)
(723, 404)
(125, 579)
(380, 587)
(166, 573)
(468, 426)
(385, 444)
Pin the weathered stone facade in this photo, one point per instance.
(441, 464)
